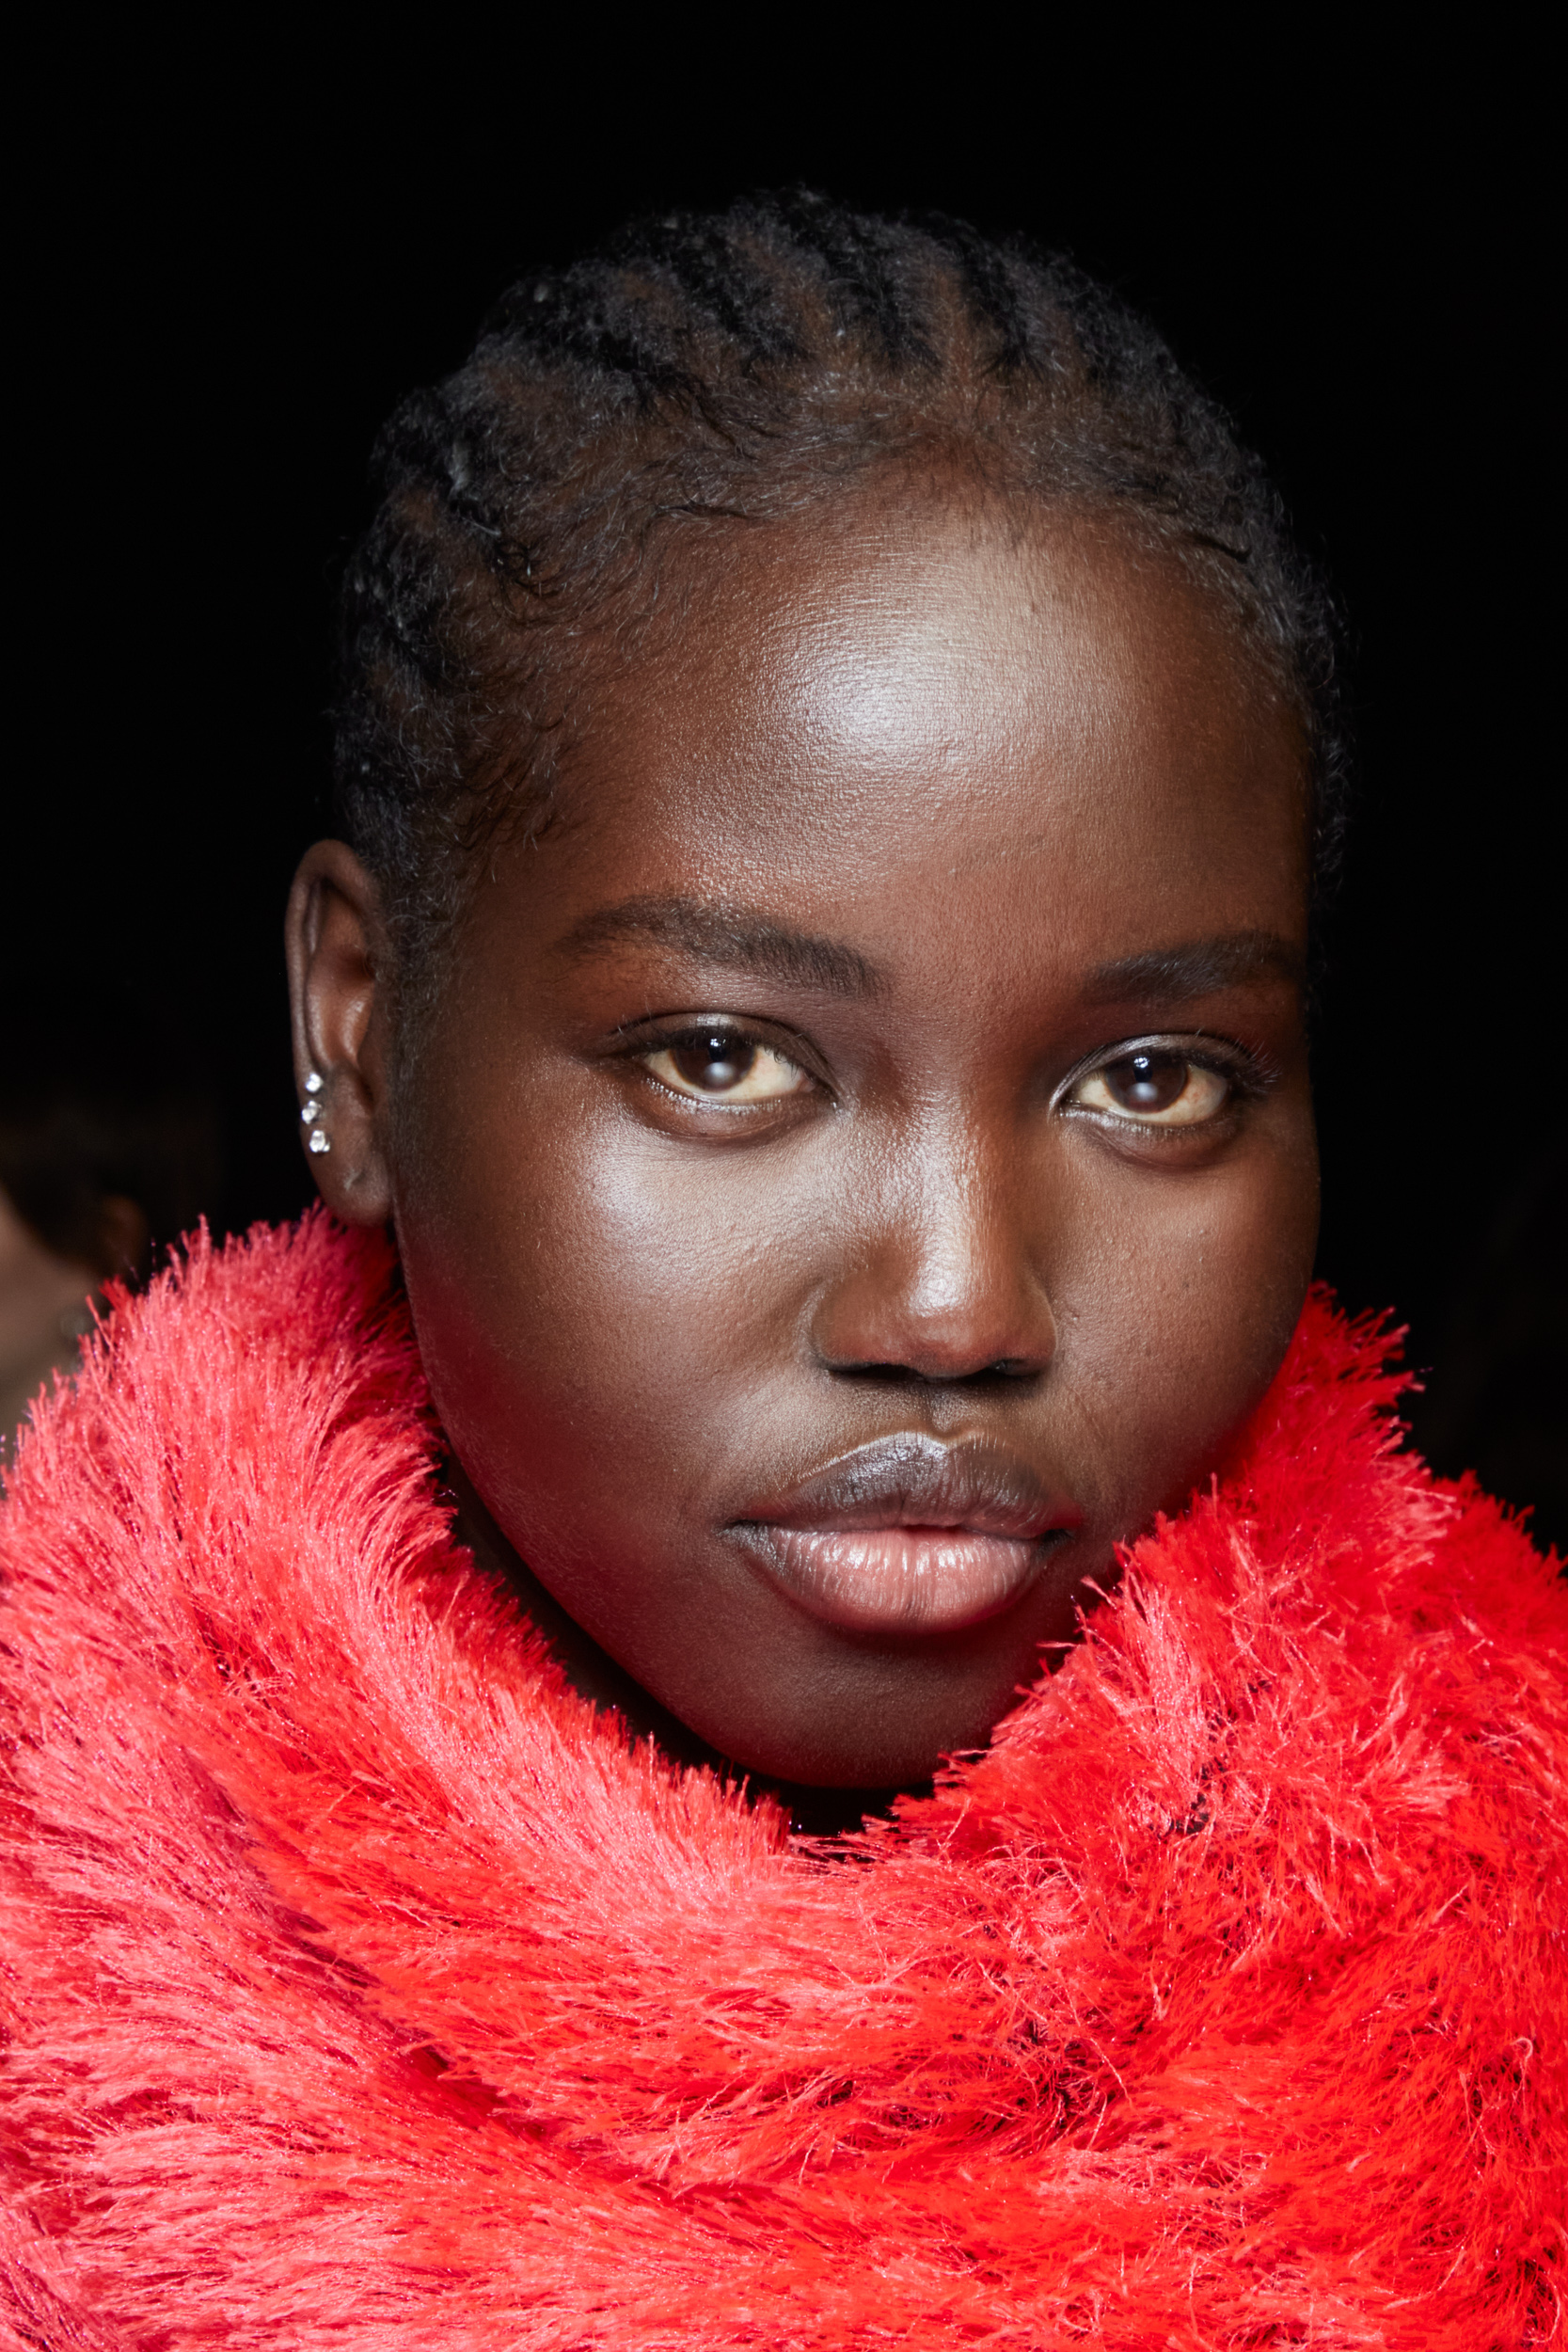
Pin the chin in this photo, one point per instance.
(886, 1750)
(857, 1713)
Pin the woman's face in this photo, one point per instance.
(860, 1165)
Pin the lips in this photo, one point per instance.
(910, 1537)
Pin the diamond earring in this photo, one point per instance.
(317, 1139)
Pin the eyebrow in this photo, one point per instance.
(734, 937)
(738, 939)
(1197, 967)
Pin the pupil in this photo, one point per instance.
(714, 1061)
(1147, 1082)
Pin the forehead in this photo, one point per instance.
(918, 690)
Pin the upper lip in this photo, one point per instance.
(913, 1480)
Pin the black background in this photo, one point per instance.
(231, 266)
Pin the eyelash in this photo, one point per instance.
(646, 1049)
(1244, 1077)
(1240, 1071)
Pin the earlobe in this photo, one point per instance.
(337, 951)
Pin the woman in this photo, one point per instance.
(785, 1689)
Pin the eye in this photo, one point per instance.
(722, 1066)
(1157, 1089)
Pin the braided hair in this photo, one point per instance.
(702, 372)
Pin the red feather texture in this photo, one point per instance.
(364, 1989)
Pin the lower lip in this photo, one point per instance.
(898, 1580)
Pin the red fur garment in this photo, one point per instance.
(364, 1990)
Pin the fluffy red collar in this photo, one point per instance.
(365, 1990)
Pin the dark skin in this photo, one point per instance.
(785, 1098)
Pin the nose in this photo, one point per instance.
(941, 1280)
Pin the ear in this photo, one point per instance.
(339, 959)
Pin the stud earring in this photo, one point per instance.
(317, 1139)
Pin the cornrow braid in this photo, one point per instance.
(736, 366)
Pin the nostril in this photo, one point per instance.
(890, 1321)
(1007, 1368)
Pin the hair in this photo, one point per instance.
(702, 372)
(95, 1104)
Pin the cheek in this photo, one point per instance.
(587, 1304)
(1174, 1303)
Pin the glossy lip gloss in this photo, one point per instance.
(909, 1535)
